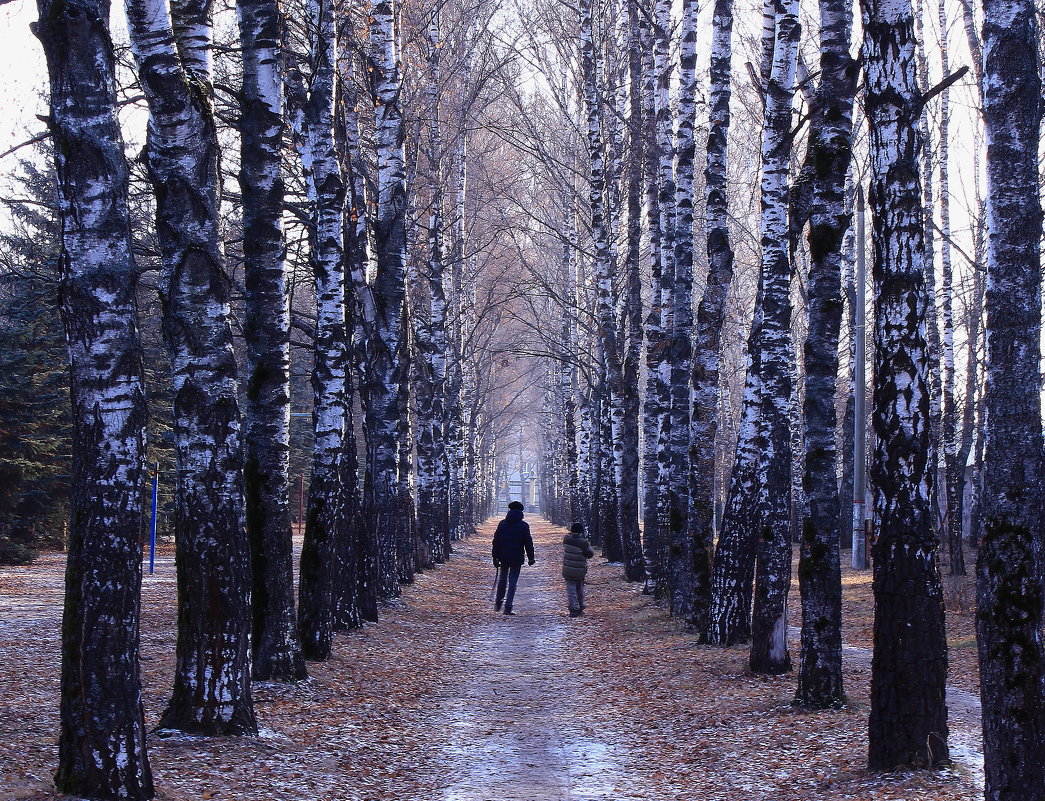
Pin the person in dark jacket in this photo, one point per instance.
(510, 541)
(576, 553)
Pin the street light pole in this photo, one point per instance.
(859, 558)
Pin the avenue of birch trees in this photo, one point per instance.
(630, 231)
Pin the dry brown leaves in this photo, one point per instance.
(625, 704)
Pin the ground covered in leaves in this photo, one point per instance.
(444, 699)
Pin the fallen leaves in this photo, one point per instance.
(620, 704)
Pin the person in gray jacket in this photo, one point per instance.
(576, 553)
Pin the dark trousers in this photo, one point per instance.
(507, 578)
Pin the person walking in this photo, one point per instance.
(576, 553)
(510, 541)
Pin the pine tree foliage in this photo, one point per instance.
(35, 458)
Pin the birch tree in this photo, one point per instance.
(102, 751)
(908, 721)
(631, 542)
(949, 412)
(661, 212)
(433, 488)
(680, 352)
(828, 156)
(386, 380)
(361, 591)
(313, 113)
(773, 569)
(266, 330)
(710, 320)
(212, 679)
(732, 577)
(1008, 566)
(604, 274)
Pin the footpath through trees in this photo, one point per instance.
(447, 700)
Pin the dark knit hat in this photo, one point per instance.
(516, 505)
(577, 528)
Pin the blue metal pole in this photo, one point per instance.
(152, 524)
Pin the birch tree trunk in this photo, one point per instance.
(680, 352)
(973, 390)
(459, 309)
(819, 568)
(661, 208)
(847, 439)
(433, 500)
(732, 575)
(212, 679)
(949, 413)
(929, 203)
(604, 269)
(1009, 593)
(102, 751)
(908, 721)
(325, 516)
(773, 569)
(266, 330)
(408, 547)
(711, 313)
(631, 541)
(387, 371)
(360, 315)
(655, 396)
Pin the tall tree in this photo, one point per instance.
(661, 212)
(631, 355)
(949, 411)
(266, 330)
(357, 600)
(827, 158)
(773, 569)
(711, 314)
(604, 275)
(212, 678)
(1010, 600)
(908, 722)
(680, 351)
(386, 359)
(433, 478)
(101, 752)
(732, 577)
(313, 114)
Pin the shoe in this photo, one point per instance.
(509, 612)
(497, 606)
(576, 613)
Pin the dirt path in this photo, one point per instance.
(512, 713)
(444, 699)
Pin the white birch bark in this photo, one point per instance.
(828, 156)
(710, 321)
(266, 412)
(680, 353)
(433, 510)
(1010, 599)
(212, 678)
(604, 275)
(325, 517)
(387, 373)
(908, 720)
(102, 751)
(769, 652)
